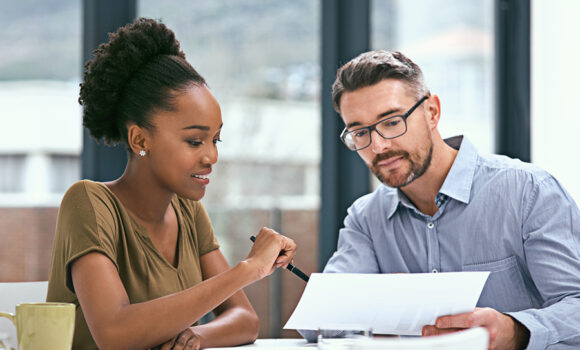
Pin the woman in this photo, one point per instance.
(137, 255)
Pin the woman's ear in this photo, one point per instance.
(138, 138)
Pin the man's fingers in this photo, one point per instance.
(429, 331)
(466, 320)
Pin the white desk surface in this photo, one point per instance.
(473, 339)
(275, 344)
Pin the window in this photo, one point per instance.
(64, 171)
(260, 59)
(452, 42)
(40, 65)
(38, 93)
(555, 122)
(11, 170)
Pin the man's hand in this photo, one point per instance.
(186, 340)
(505, 333)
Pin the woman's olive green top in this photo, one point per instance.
(92, 219)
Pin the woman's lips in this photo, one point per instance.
(202, 178)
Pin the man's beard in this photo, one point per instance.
(416, 169)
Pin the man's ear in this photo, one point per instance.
(138, 138)
(433, 111)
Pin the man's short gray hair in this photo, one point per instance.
(372, 67)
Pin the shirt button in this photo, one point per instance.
(430, 225)
(434, 271)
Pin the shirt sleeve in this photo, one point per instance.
(355, 252)
(85, 224)
(551, 234)
(205, 236)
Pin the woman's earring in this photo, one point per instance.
(142, 153)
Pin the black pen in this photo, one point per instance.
(290, 267)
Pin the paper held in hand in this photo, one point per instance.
(387, 303)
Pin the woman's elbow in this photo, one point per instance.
(107, 342)
(111, 339)
(254, 326)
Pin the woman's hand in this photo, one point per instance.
(186, 340)
(270, 251)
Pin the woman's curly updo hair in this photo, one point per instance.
(139, 71)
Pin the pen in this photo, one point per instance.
(290, 267)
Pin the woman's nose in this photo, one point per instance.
(211, 155)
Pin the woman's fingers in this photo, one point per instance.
(168, 345)
(287, 253)
(187, 340)
(271, 250)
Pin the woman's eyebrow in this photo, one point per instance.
(200, 127)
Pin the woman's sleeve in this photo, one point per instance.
(205, 235)
(85, 224)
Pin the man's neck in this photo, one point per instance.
(423, 190)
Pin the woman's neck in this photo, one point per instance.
(141, 195)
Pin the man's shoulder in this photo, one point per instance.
(383, 196)
(510, 168)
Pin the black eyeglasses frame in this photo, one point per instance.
(372, 127)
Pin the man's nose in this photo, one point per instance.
(378, 143)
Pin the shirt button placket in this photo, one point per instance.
(433, 247)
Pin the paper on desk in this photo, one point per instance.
(386, 303)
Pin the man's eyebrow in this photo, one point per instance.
(200, 127)
(390, 111)
(380, 116)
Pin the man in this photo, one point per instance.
(443, 207)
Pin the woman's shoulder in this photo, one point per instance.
(188, 207)
(87, 194)
(197, 224)
(193, 214)
(85, 186)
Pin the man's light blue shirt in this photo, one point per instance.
(494, 214)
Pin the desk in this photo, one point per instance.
(472, 339)
(274, 344)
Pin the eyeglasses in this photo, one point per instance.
(388, 128)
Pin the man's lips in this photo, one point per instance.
(389, 162)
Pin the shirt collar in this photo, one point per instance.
(457, 184)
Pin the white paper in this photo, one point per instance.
(386, 303)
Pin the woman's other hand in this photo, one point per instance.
(186, 340)
(270, 251)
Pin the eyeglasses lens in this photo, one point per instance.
(388, 128)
